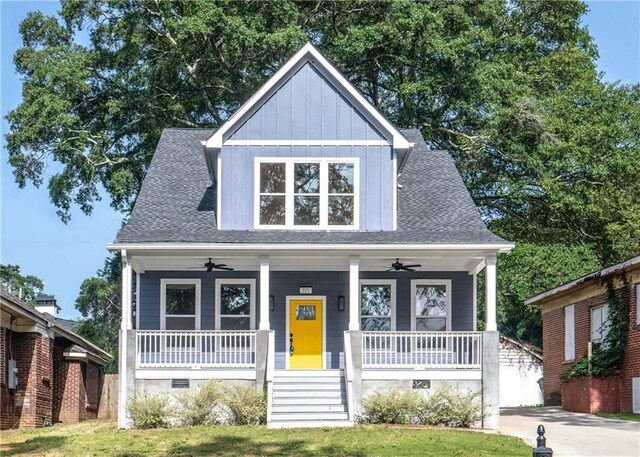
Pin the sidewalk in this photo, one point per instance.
(573, 434)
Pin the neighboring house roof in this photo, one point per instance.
(591, 278)
(17, 308)
(177, 203)
(45, 297)
(534, 351)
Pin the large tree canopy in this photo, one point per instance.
(28, 287)
(547, 149)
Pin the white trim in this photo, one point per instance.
(323, 299)
(354, 293)
(207, 247)
(307, 143)
(378, 282)
(490, 303)
(252, 299)
(569, 333)
(308, 50)
(604, 326)
(475, 302)
(265, 270)
(137, 301)
(323, 194)
(219, 192)
(638, 307)
(400, 374)
(395, 190)
(431, 282)
(195, 373)
(163, 300)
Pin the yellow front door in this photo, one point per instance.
(305, 333)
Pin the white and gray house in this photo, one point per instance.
(310, 248)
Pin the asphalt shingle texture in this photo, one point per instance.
(177, 204)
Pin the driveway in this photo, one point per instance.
(573, 434)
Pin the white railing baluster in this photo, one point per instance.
(422, 350)
(190, 348)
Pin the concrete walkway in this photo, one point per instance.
(573, 434)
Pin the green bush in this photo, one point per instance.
(450, 407)
(201, 405)
(395, 406)
(149, 411)
(246, 406)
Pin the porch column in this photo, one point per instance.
(125, 325)
(264, 293)
(354, 293)
(490, 294)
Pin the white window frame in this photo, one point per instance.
(378, 282)
(638, 307)
(599, 309)
(569, 333)
(430, 282)
(252, 299)
(324, 192)
(163, 300)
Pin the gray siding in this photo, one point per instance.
(306, 107)
(150, 295)
(376, 181)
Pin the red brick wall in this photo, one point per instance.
(553, 346)
(93, 384)
(631, 361)
(7, 399)
(32, 398)
(70, 403)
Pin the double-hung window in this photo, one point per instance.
(377, 305)
(599, 323)
(180, 304)
(310, 193)
(235, 304)
(431, 305)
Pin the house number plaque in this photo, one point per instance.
(306, 290)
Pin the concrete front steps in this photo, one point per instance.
(309, 398)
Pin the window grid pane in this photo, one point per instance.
(180, 299)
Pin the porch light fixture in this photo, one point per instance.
(272, 302)
(341, 303)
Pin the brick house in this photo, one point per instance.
(576, 313)
(48, 373)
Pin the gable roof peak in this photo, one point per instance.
(306, 53)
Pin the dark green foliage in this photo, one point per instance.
(99, 302)
(14, 282)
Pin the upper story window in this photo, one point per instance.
(310, 193)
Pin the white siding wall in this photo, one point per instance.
(519, 375)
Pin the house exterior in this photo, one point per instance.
(520, 374)
(576, 314)
(277, 250)
(48, 373)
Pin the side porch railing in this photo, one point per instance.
(195, 349)
(422, 350)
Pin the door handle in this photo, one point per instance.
(291, 349)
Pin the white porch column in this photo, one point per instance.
(125, 325)
(490, 294)
(354, 293)
(264, 293)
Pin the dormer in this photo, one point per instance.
(306, 152)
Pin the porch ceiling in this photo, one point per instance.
(315, 262)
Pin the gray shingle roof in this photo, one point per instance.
(177, 205)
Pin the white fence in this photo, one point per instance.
(422, 350)
(194, 348)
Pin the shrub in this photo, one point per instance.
(390, 407)
(201, 405)
(246, 406)
(149, 411)
(450, 407)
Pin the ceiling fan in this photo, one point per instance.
(399, 266)
(210, 266)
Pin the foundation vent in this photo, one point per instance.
(179, 383)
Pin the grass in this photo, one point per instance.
(621, 416)
(101, 438)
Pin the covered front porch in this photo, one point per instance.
(373, 325)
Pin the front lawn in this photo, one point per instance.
(621, 416)
(101, 438)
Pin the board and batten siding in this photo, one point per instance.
(307, 107)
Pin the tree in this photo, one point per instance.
(99, 302)
(27, 287)
(528, 270)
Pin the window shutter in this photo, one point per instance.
(569, 333)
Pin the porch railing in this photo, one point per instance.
(422, 350)
(195, 348)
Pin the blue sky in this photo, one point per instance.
(62, 255)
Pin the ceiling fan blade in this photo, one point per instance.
(220, 267)
(413, 266)
(391, 269)
(408, 269)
